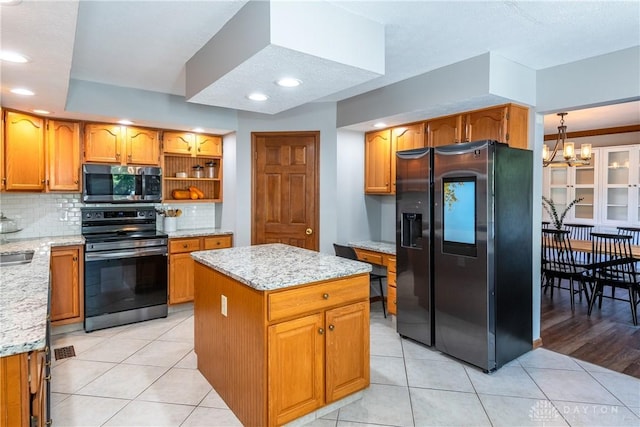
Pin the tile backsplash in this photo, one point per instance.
(58, 214)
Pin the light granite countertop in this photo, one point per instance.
(24, 294)
(194, 232)
(383, 247)
(276, 266)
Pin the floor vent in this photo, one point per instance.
(64, 352)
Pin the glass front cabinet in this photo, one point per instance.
(621, 185)
(564, 184)
(609, 188)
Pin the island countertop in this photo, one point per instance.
(276, 266)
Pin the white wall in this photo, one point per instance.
(311, 117)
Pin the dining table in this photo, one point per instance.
(586, 246)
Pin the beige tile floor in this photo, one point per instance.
(145, 375)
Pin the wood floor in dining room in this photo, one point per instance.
(606, 338)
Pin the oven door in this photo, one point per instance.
(123, 280)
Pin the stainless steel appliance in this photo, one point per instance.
(125, 266)
(478, 261)
(414, 297)
(121, 184)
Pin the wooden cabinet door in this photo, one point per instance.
(347, 350)
(178, 143)
(295, 368)
(377, 162)
(405, 138)
(486, 124)
(444, 131)
(102, 143)
(66, 292)
(181, 278)
(208, 145)
(517, 126)
(24, 151)
(409, 137)
(63, 156)
(143, 146)
(14, 390)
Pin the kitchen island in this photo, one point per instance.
(281, 332)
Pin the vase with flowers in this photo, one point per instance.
(550, 207)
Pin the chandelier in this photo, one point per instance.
(569, 157)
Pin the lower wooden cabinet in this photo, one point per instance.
(274, 356)
(24, 379)
(67, 290)
(317, 359)
(391, 287)
(181, 264)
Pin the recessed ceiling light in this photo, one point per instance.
(42, 112)
(197, 130)
(257, 96)
(379, 125)
(125, 122)
(22, 91)
(288, 82)
(9, 56)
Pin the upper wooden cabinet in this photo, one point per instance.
(504, 123)
(24, 152)
(142, 145)
(404, 138)
(192, 144)
(377, 162)
(380, 160)
(107, 143)
(41, 154)
(208, 145)
(444, 131)
(63, 155)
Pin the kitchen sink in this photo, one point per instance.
(16, 258)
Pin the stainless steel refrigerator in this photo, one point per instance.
(478, 208)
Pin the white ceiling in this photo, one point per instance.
(146, 44)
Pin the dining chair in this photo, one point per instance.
(613, 265)
(579, 231)
(350, 253)
(558, 262)
(634, 232)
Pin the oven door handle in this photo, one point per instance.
(140, 252)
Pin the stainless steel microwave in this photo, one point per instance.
(121, 184)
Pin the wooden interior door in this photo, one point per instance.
(285, 189)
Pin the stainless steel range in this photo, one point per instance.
(125, 266)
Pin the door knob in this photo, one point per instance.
(308, 231)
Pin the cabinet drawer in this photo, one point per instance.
(391, 265)
(371, 257)
(391, 278)
(177, 246)
(217, 242)
(311, 298)
(391, 299)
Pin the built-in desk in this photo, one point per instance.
(384, 254)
